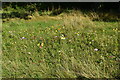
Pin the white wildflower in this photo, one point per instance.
(95, 49)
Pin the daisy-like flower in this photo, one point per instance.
(95, 49)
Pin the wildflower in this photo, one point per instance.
(23, 38)
(40, 47)
(115, 29)
(10, 31)
(112, 56)
(59, 28)
(59, 51)
(70, 40)
(29, 52)
(42, 44)
(38, 44)
(90, 42)
(78, 34)
(56, 31)
(95, 49)
(9, 61)
(62, 37)
(72, 50)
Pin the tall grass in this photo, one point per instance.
(69, 47)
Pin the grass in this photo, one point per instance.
(68, 47)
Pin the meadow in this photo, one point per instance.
(64, 46)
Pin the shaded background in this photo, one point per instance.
(23, 9)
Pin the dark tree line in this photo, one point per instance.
(64, 5)
(23, 9)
